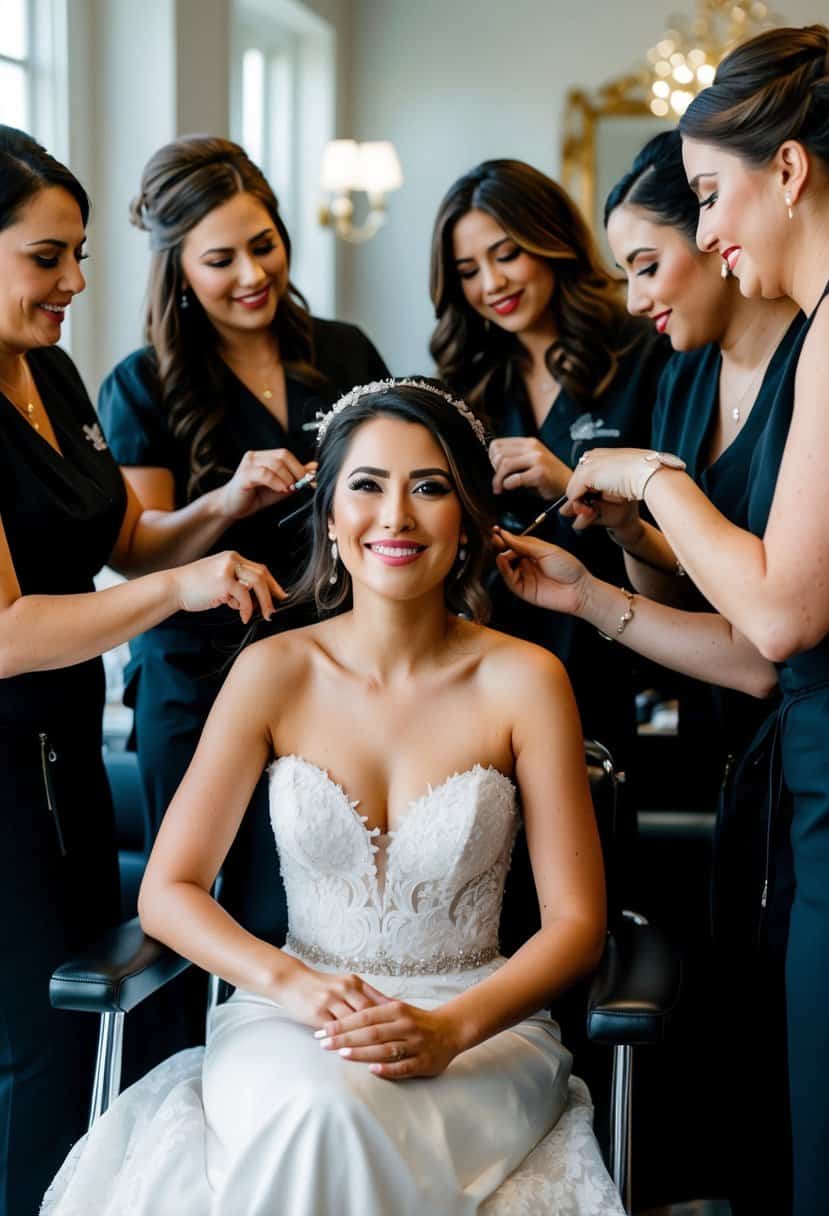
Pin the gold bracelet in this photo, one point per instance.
(624, 620)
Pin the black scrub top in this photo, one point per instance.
(683, 422)
(810, 667)
(599, 671)
(62, 513)
(139, 434)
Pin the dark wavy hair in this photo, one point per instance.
(587, 308)
(657, 183)
(772, 88)
(26, 168)
(471, 476)
(181, 183)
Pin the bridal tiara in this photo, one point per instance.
(377, 386)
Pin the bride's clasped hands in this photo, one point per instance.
(395, 1039)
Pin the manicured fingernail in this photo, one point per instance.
(375, 1067)
(320, 1034)
(345, 1051)
(326, 1043)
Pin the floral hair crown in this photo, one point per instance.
(377, 386)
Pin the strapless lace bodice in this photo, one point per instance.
(423, 899)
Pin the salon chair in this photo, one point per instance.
(132, 825)
(629, 999)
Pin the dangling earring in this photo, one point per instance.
(463, 553)
(724, 270)
(184, 302)
(788, 200)
(335, 556)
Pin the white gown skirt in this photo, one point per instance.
(265, 1122)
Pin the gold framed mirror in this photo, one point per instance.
(603, 131)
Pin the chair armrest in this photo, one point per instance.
(636, 987)
(116, 973)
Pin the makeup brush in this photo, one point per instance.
(548, 510)
(307, 480)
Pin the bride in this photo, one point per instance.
(387, 1061)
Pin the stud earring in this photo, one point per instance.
(788, 201)
(335, 556)
(463, 553)
(184, 302)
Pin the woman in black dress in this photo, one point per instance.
(730, 354)
(716, 391)
(756, 151)
(213, 422)
(532, 332)
(64, 513)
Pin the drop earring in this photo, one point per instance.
(463, 553)
(724, 271)
(184, 302)
(788, 200)
(335, 557)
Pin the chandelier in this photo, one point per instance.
(686, 56)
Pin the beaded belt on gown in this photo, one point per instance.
(385, 964)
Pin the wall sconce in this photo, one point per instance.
(347, 166)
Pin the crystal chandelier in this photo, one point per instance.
(686, 56)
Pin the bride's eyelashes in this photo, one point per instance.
(432, 488)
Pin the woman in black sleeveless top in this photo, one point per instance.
(730, 355)
(64, 513)
(756, 150)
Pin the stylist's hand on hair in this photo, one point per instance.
(226, 578)
(521, 463)
(542, 574)
(262, 479)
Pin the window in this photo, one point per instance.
(282, 112)
(15, 68)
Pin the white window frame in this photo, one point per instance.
(299, 49)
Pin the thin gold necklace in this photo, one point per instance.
(27, 410)
(266, 392)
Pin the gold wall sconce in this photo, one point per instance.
(348, 166)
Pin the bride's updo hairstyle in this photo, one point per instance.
(423, 404)
(772, 88)
(656, 183)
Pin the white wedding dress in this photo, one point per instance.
(263, 1122)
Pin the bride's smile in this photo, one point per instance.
(396, 516)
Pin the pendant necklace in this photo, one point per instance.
(748, 394)
(266, 392)
(27, 410)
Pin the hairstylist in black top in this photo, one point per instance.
(214, 421)
(64, 513)
(532, 331)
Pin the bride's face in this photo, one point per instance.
(396, 516)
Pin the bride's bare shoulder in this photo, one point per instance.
(508, 663)
(281, 662)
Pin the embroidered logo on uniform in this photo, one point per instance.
(95, 436)
(587, 427)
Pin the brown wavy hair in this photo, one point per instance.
(587, 306)
(326, 583)
(767, 90)
(181, 183)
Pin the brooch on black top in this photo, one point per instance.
(95, 436)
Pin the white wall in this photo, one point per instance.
(138, 74)
(454, 82)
